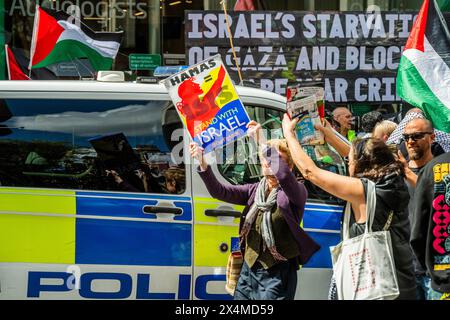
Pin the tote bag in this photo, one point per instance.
(363, 266)
(234, 266)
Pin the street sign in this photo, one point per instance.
(144, 61)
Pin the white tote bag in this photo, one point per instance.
(363, 266)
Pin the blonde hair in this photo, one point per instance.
(281, 146)
(384, 127)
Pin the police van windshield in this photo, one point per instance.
(114, 145)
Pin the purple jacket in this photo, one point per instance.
(291, 200)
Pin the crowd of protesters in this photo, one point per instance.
(411, 170)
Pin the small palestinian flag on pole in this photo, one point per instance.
(56, 39)
(17, 63)
(423, 77)
(14, 70)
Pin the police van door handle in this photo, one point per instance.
(167, 210)
(222, 213)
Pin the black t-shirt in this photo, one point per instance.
(410, 212)
(430, 235)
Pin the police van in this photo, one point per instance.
(93, 205)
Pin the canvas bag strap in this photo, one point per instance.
(346, 222)
(371, 203)
(372, 200)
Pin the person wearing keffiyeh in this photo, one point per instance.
(442, 138)
(271, 240)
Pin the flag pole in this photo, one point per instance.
(7, 61)
(224, 4)
(33, 39)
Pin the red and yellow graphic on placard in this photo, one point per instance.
(208, 104)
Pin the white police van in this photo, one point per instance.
(150, 230)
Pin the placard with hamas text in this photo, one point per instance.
(208, 104)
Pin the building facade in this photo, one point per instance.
(154, 26)
(158, 26)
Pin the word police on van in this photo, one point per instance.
(93, 205)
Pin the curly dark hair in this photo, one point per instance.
(375, 160)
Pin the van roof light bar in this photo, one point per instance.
(111, 76)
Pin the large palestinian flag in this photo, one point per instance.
(423, 78)
(57, 39)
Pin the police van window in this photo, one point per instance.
(106, 145)
(239, 164)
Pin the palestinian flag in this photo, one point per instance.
(423, 78)
(56, 38)
(17, 64)
(15, 72)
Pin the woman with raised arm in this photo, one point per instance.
(369, 159)
(271, 240)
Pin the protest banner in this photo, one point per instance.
(208, 104)
(355, 54)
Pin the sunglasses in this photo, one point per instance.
(415, 136)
